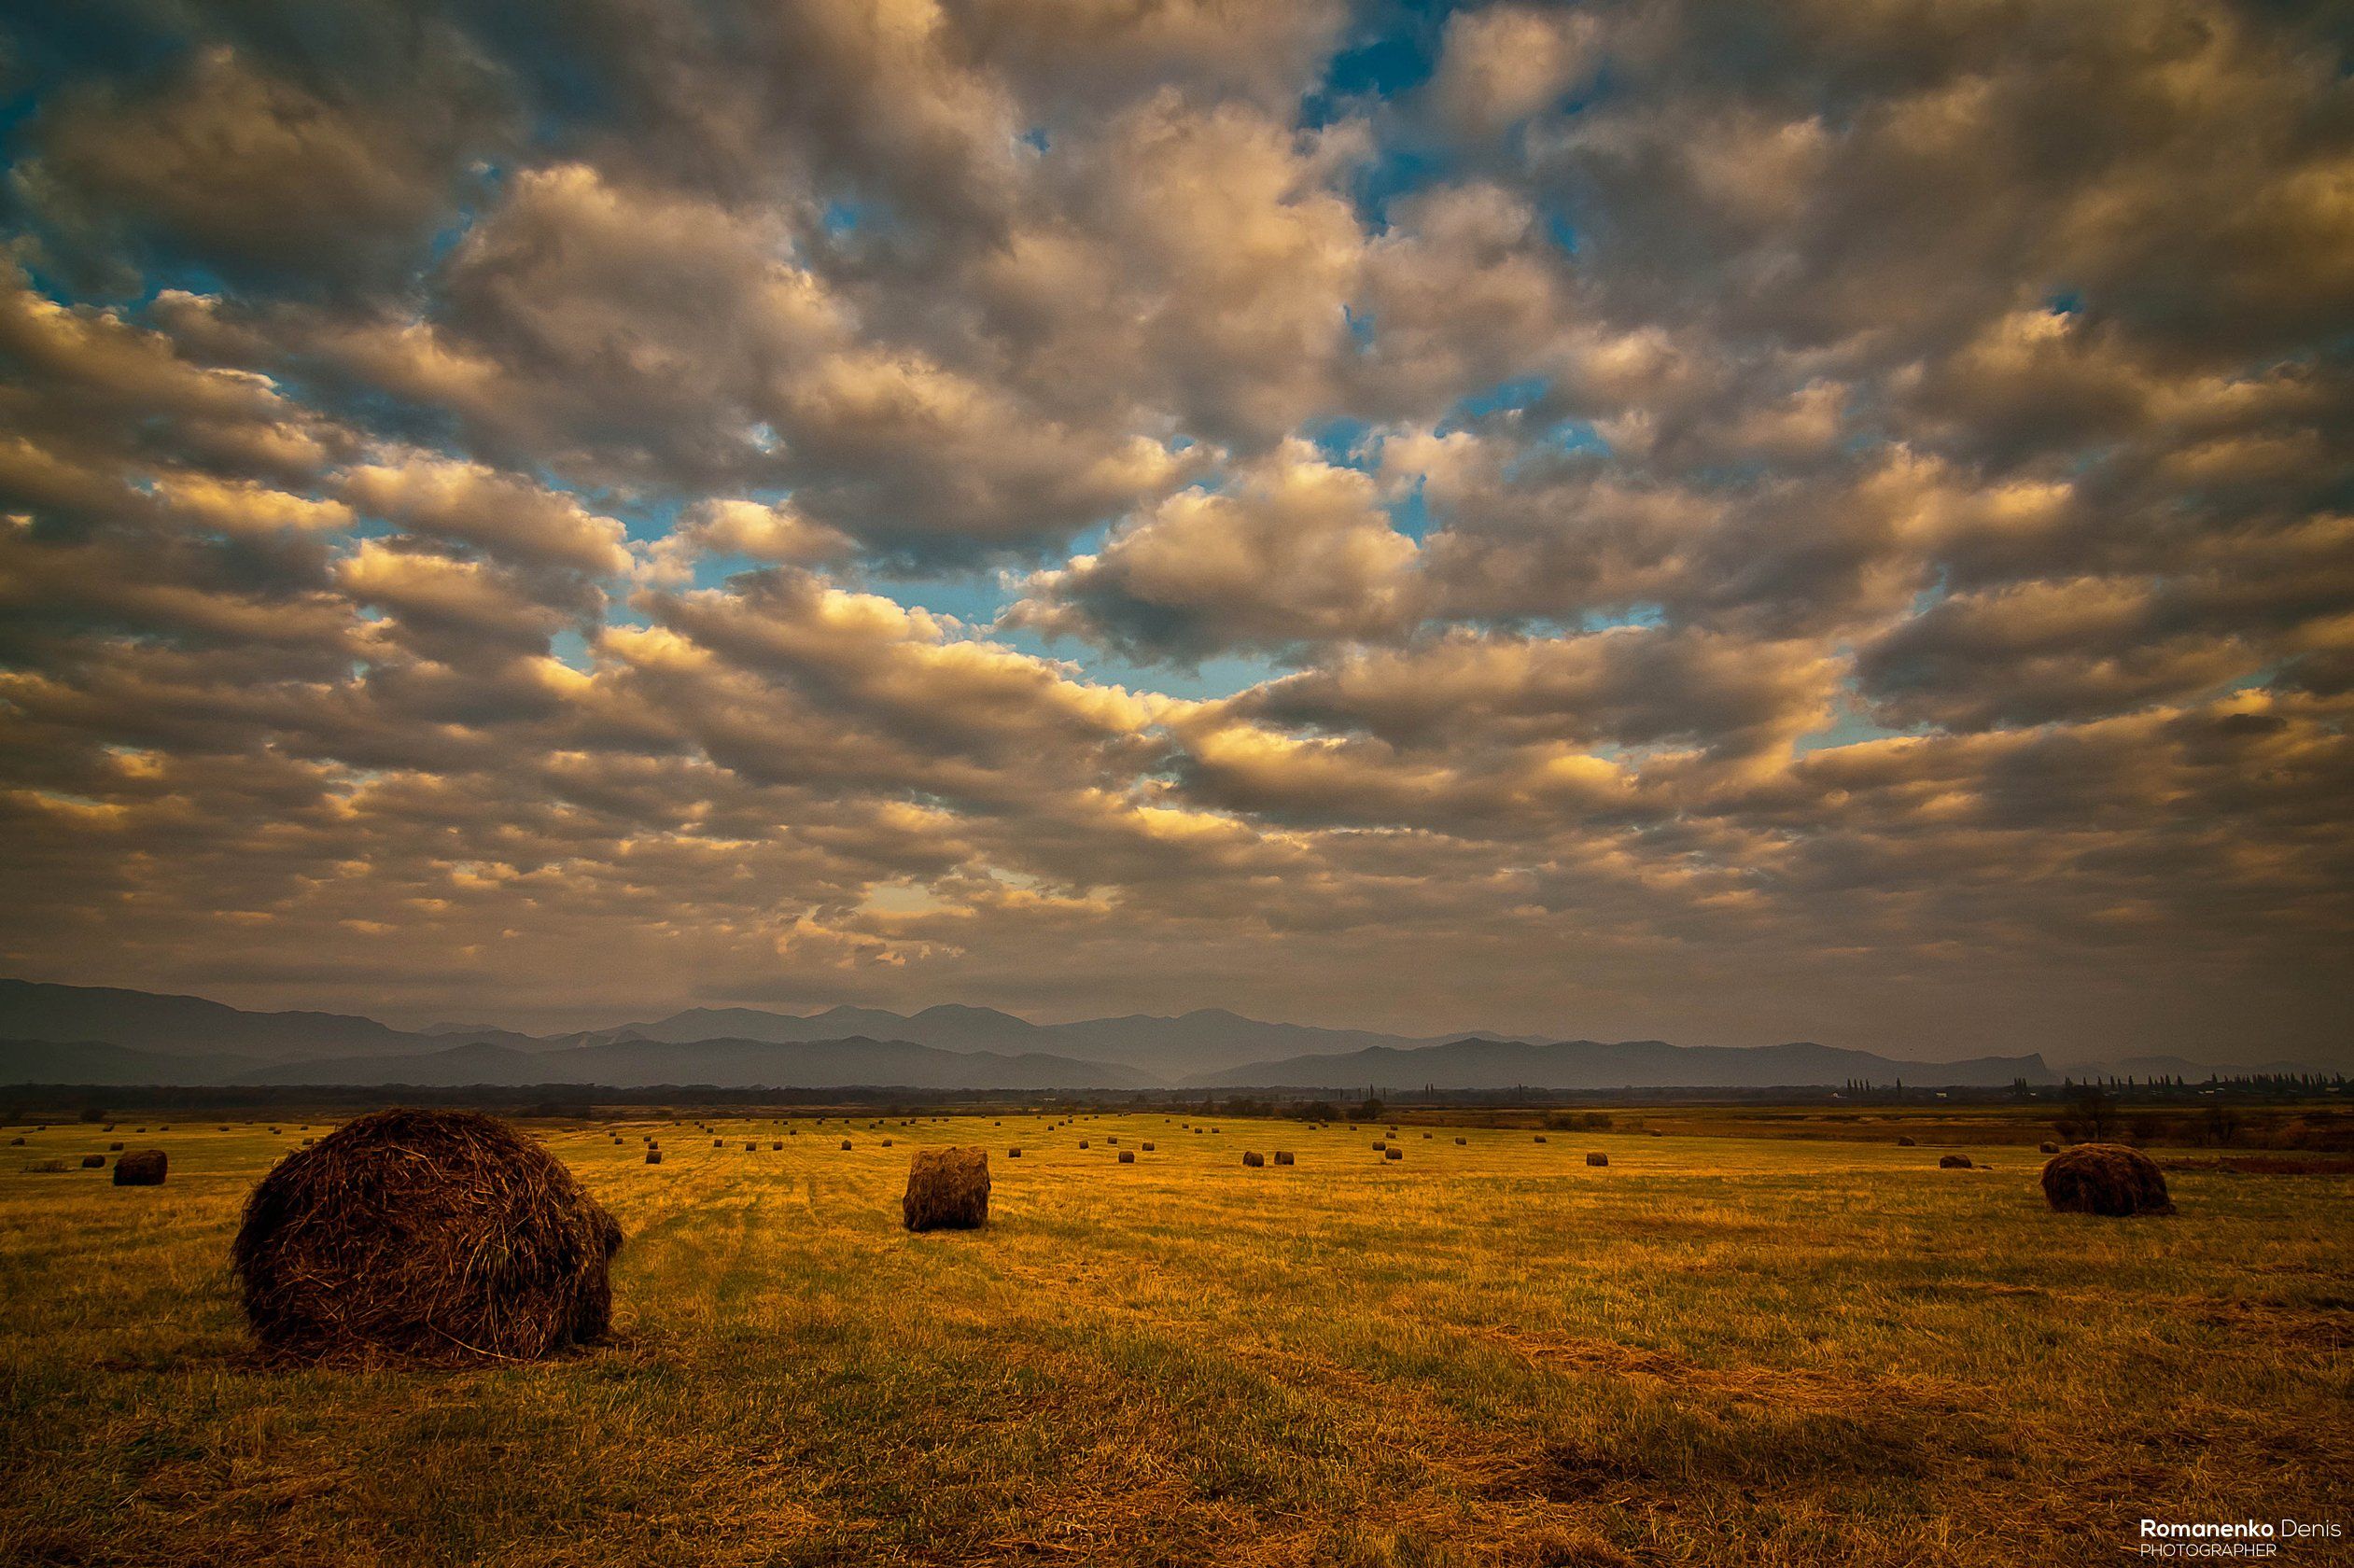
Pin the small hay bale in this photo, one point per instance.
(653, 1156)
(948, 1189)
(1392, 1154)
(141, 1168)
(2106, 1179)
(440, 1236)
(1253, 1159)
(2047, 1148)
(1283, 1156)
(752, 1148)
(1013, 1153)
(777, 1144)
(1462, 1141)
(719, 1142)
(1953, 1162)
(1127, 1156)
(1148, 1148)
(1082, 1143)
(114, 1148)
(845, 1142)
(15, 1142)
(1380, 1143)
(1904, 1144)
(93, 1162)
(1540, 1138)
(886, 1143)
(1597, 1160)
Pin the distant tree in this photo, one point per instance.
(1367, 1110)
(2090, 1118)
(2219, 1124)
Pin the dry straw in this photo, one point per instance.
(438, 1236)
(2106, 1179)
(948, 1189)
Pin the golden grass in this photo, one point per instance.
(1720, 1350)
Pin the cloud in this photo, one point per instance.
(1300, 552)
(1850, 501)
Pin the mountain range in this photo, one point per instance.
(78, 1035)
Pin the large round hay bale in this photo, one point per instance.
(141, 1168)
(1953, 1162)
(1283, 1156)
(948, 1189)
(1127, 1156)
(1393, 1153)
(431, 1234)
(1253, 1158)
(2106, 1179)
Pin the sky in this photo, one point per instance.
(1714, 522)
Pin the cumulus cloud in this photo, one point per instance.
(1298, 552)
(1850, 501)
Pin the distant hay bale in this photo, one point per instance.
(15, 1142)
(1127, 1156)
(1462, 1141)
(948, 1189)
(653, 1156)
(1082, 1143)
(1953, 1162)
(845, 1142)
(1392, 1154)
(886, 1143)
(719, 1142)
(777, 1144)
(141, 1168)
(1111, 1143)
(1597, 1160)
(1147, 1147)
(2047, 1148)
(1904, 1144)
(438, 1236)
(93, 1162)
(1253, 1159)
(1283, 1156)
(1013, 1152)
(1657, 1133)
(751, 1148)
(2106, 1179)
(1540, 1138)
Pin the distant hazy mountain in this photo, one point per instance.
(90, 1061)
(857, 1061)
(1165, 1048)
(185, 1025)
(1638, 1064)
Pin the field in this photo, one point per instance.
(1718, 1349)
